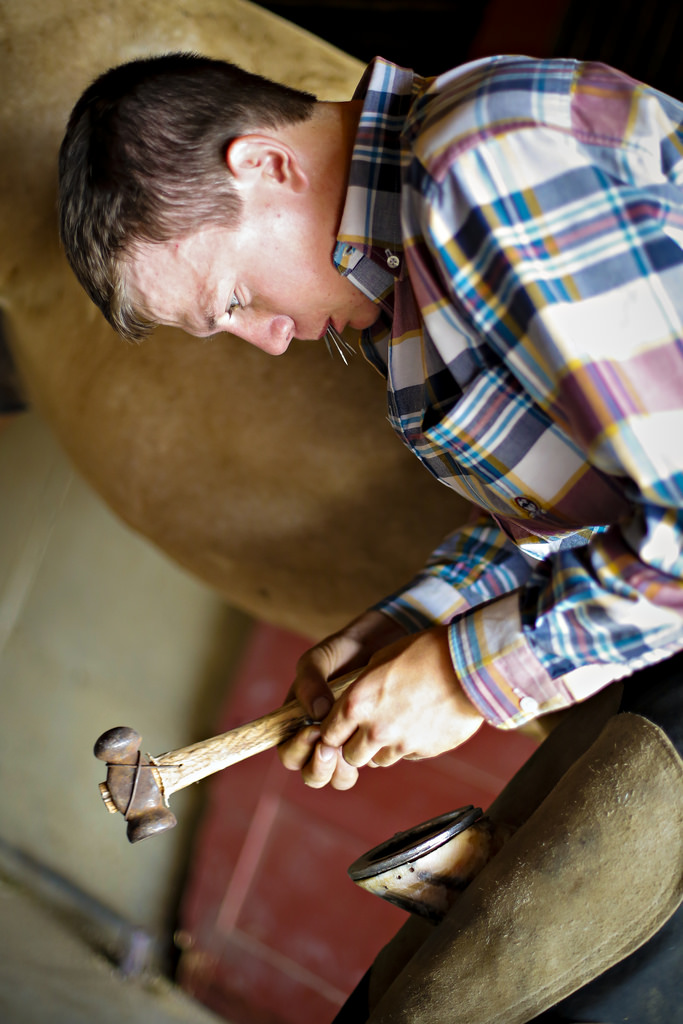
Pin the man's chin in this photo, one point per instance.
(365, 319)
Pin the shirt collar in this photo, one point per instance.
(369, 249)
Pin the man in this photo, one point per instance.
(507, 237)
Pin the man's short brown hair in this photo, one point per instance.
(143, 160)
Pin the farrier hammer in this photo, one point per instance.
(138, 785)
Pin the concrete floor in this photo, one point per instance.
(96, 629)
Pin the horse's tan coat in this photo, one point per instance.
(277, 481)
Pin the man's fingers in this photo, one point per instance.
(295, 753)
(387, 756)
(360, 750)
(345, 776)
(314, 695)
(346, 716)
(327, 767)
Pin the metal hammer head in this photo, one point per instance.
(133, 786)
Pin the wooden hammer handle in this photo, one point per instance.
(180, 768)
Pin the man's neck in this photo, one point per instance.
(324, 143)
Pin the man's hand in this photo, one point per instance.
(350, 648)
(407, 703)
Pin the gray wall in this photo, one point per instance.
(96, 629)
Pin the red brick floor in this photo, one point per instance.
(275, 931)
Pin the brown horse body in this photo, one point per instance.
(275, 480)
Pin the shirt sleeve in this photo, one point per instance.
(473, 565)
(564, 248)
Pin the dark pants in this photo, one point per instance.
(646, 987)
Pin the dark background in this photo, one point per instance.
(642, 37)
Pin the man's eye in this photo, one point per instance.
(234, 303)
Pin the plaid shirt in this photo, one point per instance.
(520, 224)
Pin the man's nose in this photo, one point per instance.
(265, 330)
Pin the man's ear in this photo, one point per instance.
(261, 157)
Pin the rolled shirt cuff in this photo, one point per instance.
(501, 674)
